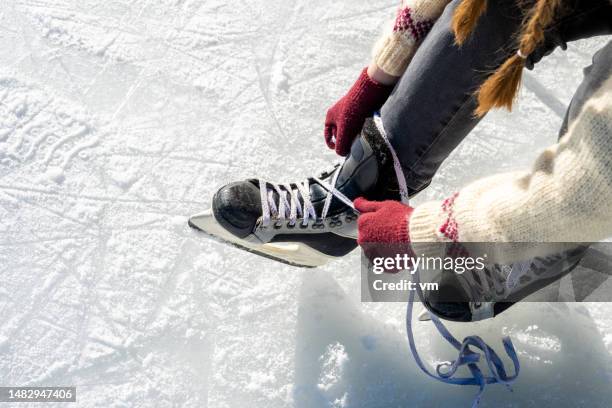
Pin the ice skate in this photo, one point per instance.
(305, 223)
(477, 295)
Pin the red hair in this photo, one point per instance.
(501, 88)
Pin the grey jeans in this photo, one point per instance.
(594, 76)
(431, 109)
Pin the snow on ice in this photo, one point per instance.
(119, 119)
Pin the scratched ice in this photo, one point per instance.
(119, 119)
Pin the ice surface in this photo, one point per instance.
(119, 119)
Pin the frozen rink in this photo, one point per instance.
(119, 119)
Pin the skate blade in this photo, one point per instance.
(424, 316)
(290, 253)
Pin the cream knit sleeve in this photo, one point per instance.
(396, 47)
(566, 197)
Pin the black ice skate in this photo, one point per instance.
(306, 223)
(481, 294)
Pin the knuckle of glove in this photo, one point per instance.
(330, 117)
(365, 221)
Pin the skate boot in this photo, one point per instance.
(305, 223)
(481, 294)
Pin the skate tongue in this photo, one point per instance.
(397, 166)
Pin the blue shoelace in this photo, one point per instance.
(467, 354)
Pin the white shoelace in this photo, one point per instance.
(289, 195)
(289, 206)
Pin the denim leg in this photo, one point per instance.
(431, 109)
(594, 75)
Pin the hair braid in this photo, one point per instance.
(465, 17)
(501, 88)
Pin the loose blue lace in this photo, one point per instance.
(445, 372)
(467, 354)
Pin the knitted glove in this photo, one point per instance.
(345, 119)
(552, 40)
(586, 18)
(382, 221)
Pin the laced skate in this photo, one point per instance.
(479, 294)
(304, 223)
(289, 206)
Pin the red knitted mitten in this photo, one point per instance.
(345, 119)
(383, 221)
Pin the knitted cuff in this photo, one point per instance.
(394, 53)
(396, 49)
(403, 233)
(371, 93)
(425, 223)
